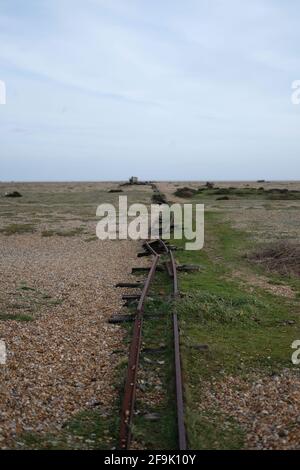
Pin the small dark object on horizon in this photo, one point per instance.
(13, 194)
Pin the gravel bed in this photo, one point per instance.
(63, 360)
(266, 407)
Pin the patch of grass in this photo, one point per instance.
(87, 430)
(16, 317)
(209, 308)
(14, 229)
(244, 330)
(48, 233)
(63, 233)
(217, 431)
(92, 239)
(185, 192)
(25, 287)
(28, 300)
(273, 194)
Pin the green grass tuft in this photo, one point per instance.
(62, 233)
(17, 317)
(208, 307)
(86, 430)
(14, 229)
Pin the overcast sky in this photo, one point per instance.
(161, 89)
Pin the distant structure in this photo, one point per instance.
(133, 180)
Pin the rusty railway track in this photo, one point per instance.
(178, 372)
(155, 249)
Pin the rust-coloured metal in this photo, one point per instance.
(178, 372)
(164, 246)
(158, 246)
(130, 385)
(175, 280)
(179, 393)
(134, 353)
(169, 269)
(147, 284)
(133, 363)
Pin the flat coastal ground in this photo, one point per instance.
(243, 391)
(56, 294)
(61, 384)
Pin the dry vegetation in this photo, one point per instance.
(283, 258)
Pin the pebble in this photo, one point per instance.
(60, 363)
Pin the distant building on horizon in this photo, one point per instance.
(133, 180)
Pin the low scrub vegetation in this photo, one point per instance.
(14, 229)
(271, 194)
(283, 257)
(62, 233)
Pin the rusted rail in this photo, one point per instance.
(174, 273)
(179, 388)
(133, 363)
(134, 353)
(178, 372)
(145, 290)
